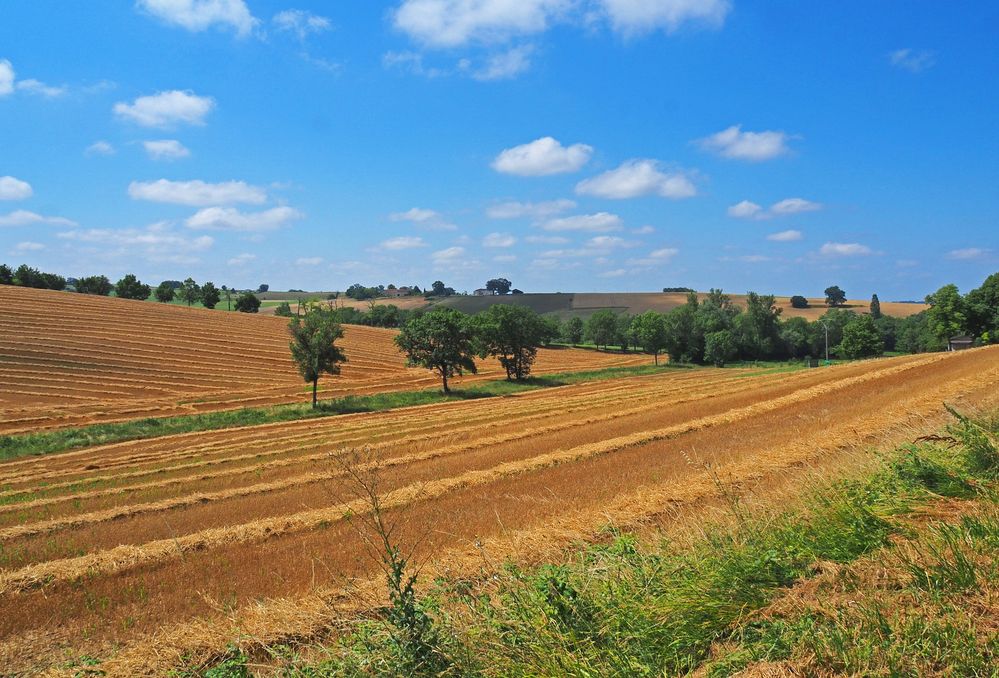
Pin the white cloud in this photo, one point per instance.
(783, 208)
(842, 249)
(99, 148)
(643, 230)
(735, 144)
(308, 261)
(505, 65)
(231, 219)
(12, 188)
(157, 242)
(166, 149)
(785, 236)
(644, 16)
(424, 217)
(634, 178)
(656, 257)
(32, 86)
(448, 254)
(542, 157)
(967, 253)
(614, 273)
(301, 22)
(241, 259)
(452, 23)
(28, 246)
(601, 222)
(664, 253)
(6, 78)
(403, 242)
(547, 239)
(199, 15)
(26, 218)
(499, 240)
(196, 193)
(534, 210)
(913, 60)
(505, 258)
(166, 109)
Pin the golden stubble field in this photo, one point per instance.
(141, 553)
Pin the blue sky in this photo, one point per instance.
(568, 145)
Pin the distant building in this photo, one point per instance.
(398, 292)
(483, 292)
(960, 343)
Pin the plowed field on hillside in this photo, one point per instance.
(144, 552)
(72, 359)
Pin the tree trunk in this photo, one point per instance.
(444, 377)
(657, 357)
(315, 386)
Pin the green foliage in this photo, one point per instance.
(94, 284)
(601, 328)
(26, 276)
(982, 310)
(835, 296)
(6, 275)
(441, 340)
(130, 287)
(210, 295)
(164, 292)
(313, 347)
(795, 335)
(247, 302)
(574, 330)
(651, 332)
(190, 291)
(875, 307)
(360, 292)
(946, 316)
(720, 348)
(758, 328)
(284, 310)
(499, 286)
(798, 301)
(861, 338)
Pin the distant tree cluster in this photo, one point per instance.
(675, 290)
(26, 276)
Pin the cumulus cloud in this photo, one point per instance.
(157, 242)
(547, 239)
(844, 249)
(301, 22)
(6, 77)
(788, 206)
(636, 178)
(26, 218)
(231, 219)
(99, 148)
(968, 253)
(200, 15)
(632, 17)
(28, 246)
(426, 218)
(499, 240)
(241, 259)
(533, 210)
(166, 109)
(448, 254)
(402, 243)
(601, 222)
(504, 65)
(912, 60)
(196, 193)
(542, 157)
(165, 149)
(785, 236)
(9, 84)
(735, 144)
(643, 230)
(12, 188)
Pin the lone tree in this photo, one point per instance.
(210, 295)
(190, 291)
(313, 347)
(835, 296)
(651, 332)
(247, 303)
(601, 328)
(798, 301)
(499, 286)
(94, 284)
(512, 334)
(164, 292)
(441, 340)
(574, 330)
(875, 307)
(131, 287)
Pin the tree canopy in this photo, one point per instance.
(313, 347)
(130, 287)
(499, 286)
(94, 284)
(513, 334)
(442, 340)
(247, 302)
(210, 295)
(835, 296)
(190, 291)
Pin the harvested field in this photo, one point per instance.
(70, 359)
(144, 552)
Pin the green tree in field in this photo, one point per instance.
(94, 284)
(552, 330)
(798, 301)
(720, 348)
(982, 309)
(313, 347)
(875, 307)
(513, 334)
(131, 287)
(835, 296)
(759, 327)
(247, 302)
(861, 338)
(574, 330)
(190, 291)
(626, 337)
(442, 340)
(210, 295)
(651, 332)
(6, 275)
(601, 328)
(946, 315)
(164, 292)
(795, 336)
(284, 310)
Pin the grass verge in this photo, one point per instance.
(61, 440)
(893, 573)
